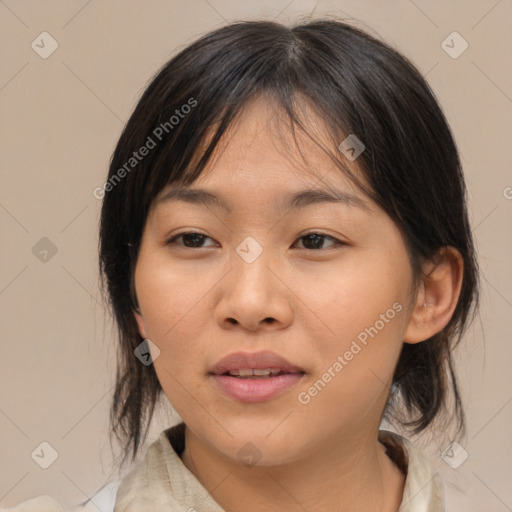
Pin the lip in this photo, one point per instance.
(255, 360)
(255, 390)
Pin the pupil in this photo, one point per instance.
(315, 238)
(196, 238)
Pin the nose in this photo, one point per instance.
(254, 296)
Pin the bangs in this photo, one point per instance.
(289, 114)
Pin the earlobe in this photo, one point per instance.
(140, 324)
(136, 308)
(437, 297)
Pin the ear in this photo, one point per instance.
(136, 307)
(140, 323)
(437, 296)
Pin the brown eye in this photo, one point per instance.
(194, 240)
(314, 241)
(190, 239)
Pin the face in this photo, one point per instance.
(324, 285)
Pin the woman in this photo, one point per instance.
(286, 249)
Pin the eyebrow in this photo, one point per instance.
(294, 201)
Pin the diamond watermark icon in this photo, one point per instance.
(249, 250)
(147, 352)
(249, 454)
(44, 45)
(44, 250)
(44, 455)
(454, 45)
(351, 147)
(454, 455)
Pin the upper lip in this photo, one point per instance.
(254, 360)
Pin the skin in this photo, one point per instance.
(202, 302)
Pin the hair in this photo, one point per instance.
(357, 85)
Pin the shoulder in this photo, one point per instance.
(38, 504)
(458, 501)
(425, 482)
(102, 501)
(138, 478)
(424, 489)
(159, 454)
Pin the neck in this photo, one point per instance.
(339, 475)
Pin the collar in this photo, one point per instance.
(161, 482)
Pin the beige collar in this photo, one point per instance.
(162, 483)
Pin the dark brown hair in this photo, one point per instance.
(358, 85)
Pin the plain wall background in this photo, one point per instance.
(60, 120)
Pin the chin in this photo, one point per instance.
(259, 444)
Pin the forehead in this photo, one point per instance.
(263, 136)
(262, 153)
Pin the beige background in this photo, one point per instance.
(61, 118)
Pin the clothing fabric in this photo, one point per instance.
(162, 483)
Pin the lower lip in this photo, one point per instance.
(257, 390)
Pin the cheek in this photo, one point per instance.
(167, 297)
(350, 298)
(172, 304)
(356, 332)
(354, 366)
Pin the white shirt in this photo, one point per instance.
(162, 483)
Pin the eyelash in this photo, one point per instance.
(172, 240)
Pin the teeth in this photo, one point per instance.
(250, 372)
(266, 371)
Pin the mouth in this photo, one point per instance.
(256, 373)
(254, 364)
(255, 377)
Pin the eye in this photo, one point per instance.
(193, 240)
(315, 240)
